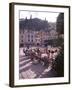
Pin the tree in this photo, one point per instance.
(33, 24)
(59, 63)
(60, 24)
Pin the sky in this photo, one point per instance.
(50, 16)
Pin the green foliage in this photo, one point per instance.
(60, 23)
(59, 64)
(33, 24)
(58, 42)
(54, 42)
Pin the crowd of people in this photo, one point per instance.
(45, 56)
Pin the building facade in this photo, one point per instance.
(34, 32)
(35, 38)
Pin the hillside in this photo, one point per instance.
(33, 24)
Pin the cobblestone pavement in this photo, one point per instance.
(30, 70)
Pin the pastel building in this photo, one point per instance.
(34, 32)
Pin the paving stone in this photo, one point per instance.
(29, 70)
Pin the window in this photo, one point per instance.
(21, 36)
(32, 36)
(21, 40)
(28, 37)
(32, 40)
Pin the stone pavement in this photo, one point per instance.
(29, 70)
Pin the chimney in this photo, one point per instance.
(45, 18)
(26, 18)
(30, 16)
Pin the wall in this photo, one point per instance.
(4, 43)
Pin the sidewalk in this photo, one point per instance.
(29, 70)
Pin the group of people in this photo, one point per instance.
(45, 56)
